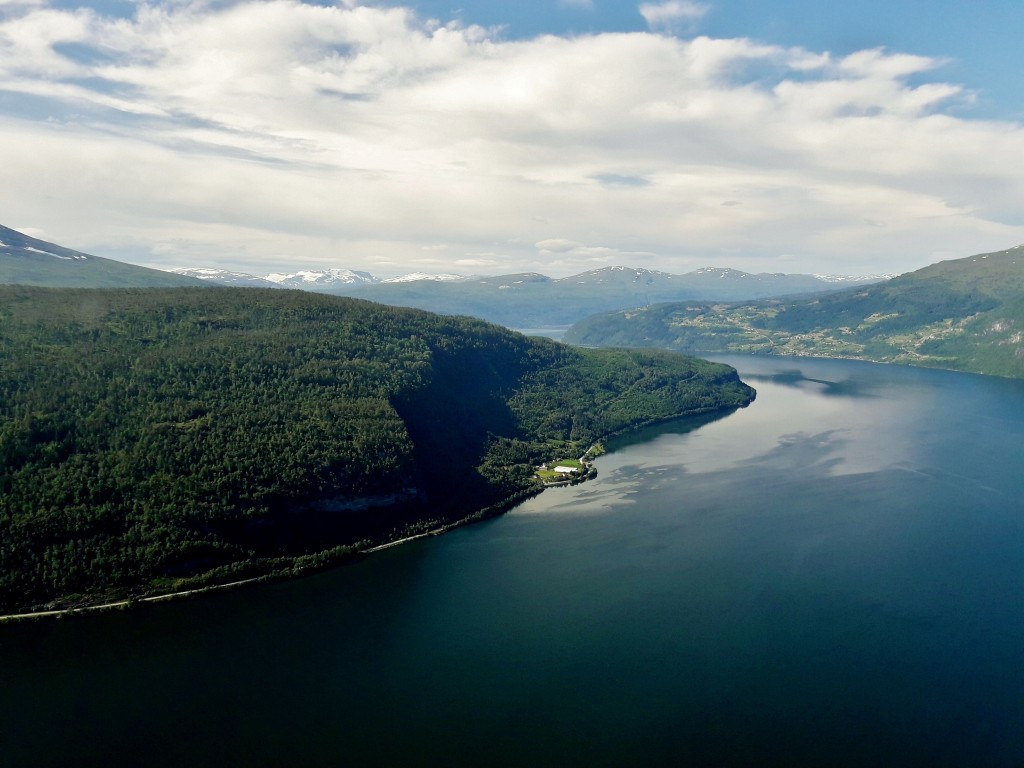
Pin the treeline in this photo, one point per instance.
(153, 439)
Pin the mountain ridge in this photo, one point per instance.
(350, 282)
(520, 300)
(26, 260)
(963, 314)
(530, 299)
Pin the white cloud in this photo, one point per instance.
(477, 261)
(877, 63)
(359, 136)
(672, 14)
(562, 252)
(557, 245)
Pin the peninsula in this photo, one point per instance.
(157, 440)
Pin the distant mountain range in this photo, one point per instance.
(964, 314)
(532, 300)
(526, 300)
(25, 260)
(334, 281)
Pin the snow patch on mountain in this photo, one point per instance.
(319, 278)
(77, 257)
(206, 273)
(606, 274)
(223, 277)
(415, 276)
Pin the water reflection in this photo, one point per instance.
(850, 387)
(813, 580)
(801, 424)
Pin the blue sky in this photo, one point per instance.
(977, 39)
(481, 137)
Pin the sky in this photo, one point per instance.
(483, 137)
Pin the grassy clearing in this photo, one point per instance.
(547, 473)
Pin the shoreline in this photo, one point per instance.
(487, 513)
(129, 603)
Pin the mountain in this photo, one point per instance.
(225, 277)
(326, 280)
(413, 277)
(534, 300)
(25, 260)
(155, 440)
(531, 299)
(518, 300)
(964, 314)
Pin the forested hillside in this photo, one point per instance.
(964, 314)
(154, 440)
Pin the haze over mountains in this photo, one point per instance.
(336, 281)
(347, 281)
(525, 300)
(964, 314)
(531, 300)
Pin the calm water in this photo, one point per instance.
(832, 576)
(555, 332)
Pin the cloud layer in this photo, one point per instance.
(278, 133)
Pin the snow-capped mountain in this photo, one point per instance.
(414, 276)
(530, 299)
(328, 280)
(224, 277)
(624, 275)
(312, 279)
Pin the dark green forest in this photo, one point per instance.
(154, 440)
